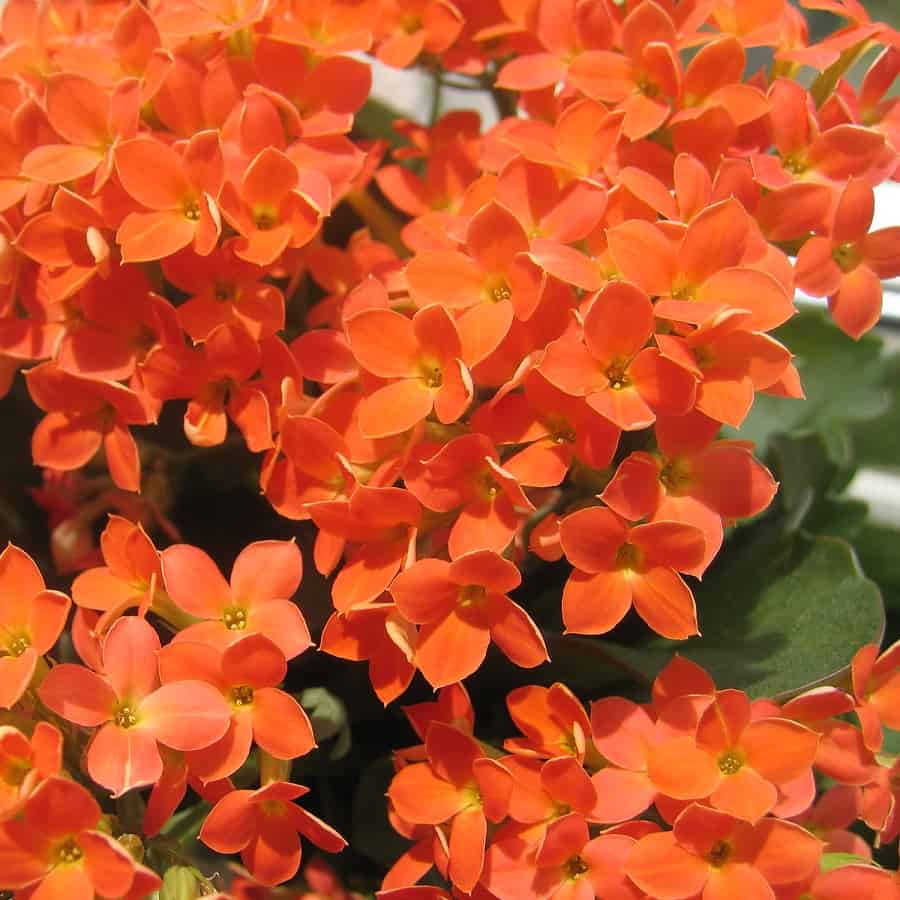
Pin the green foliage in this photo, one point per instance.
(779, 612)
(328, 715)
(845, 382)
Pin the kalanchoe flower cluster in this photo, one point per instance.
(562, 810)
(527, 352)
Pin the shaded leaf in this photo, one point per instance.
(372, 834)
(844, 380)
(778, 613)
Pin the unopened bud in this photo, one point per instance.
(133, 844)
(179, 883)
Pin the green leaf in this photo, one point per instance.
(329, 719)
(877, 442)
(878, 548)
(778, 613)
(376, 120)
(844, 382)
(836, 860)
(810, 482)
(371, 831)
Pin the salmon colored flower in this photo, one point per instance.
(744, 760)
(634, 777)
(693, 478)
(31, 619)
(458, 787)
(83, 415)
(275, 206)
(413, 26)
(223, 288)
(56, 848)
(25, 763)
(465, 476)
(617, 565)
(134, 713)
(91, 121)
(379, 634)
(246, 673)
(848, 265)
(644, 80)
(854, 880)
(709, 854)
(264, 826)
(552, 720)
(257, 600)
(700, 271)
(380, 525)
(461, 607)
(131, 576)
(566, 865)
(618, 375)
(730, 364)
(181, 191)
(422, 358)
(215, 379)
(876, 686)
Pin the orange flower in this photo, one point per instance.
(309, 465)
(265, 575)
(876, 686)
(744, 762)
(379, 634)
(710, 854)
(567, 864)
(132, 710)
(246, 673)
(25, 763)
(480, 284)
(410, 27)
(130, 577)
(264, 826)
(223, 288)
(627, 737)
(556, 427)
(847, 881)
(458, 787)
(381, 525)
(276, 206)
(693, 479)
(215, 378)
(848, 265)
(461, 606)
(423, 359)
(56, 849)
(699, 271)
(31, 619)
(619, 377)
(84, 415)
(617, 565)
(552, 720)
(730, 363)
(181, 191)
(644, 80)
(465, 475)
(91, 121)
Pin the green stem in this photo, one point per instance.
(437, 85)
(382, 223)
